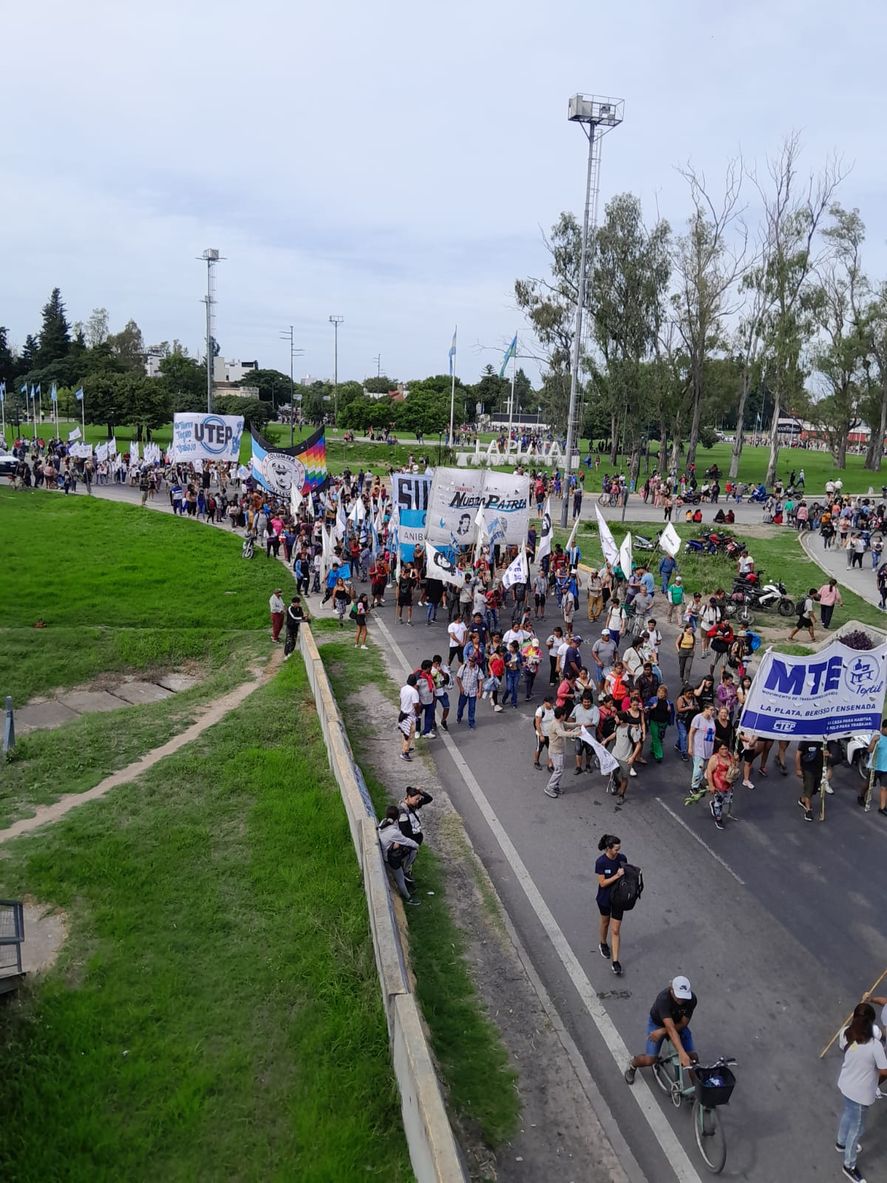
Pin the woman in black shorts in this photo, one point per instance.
(608, 869)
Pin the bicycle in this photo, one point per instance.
(710, 1085)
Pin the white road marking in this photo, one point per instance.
(641, 1090)
(705, 846)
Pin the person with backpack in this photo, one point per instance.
(396, 848)
(610, 869)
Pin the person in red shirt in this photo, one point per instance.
(566, 691)
(497, 671)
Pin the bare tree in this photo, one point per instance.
(708, 261)
(792, 212)
(876, 377)
(749, 339)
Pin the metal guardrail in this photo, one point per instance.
(12, 935)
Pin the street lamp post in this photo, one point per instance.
(335, 321)
(288, 336)
(597, 116)
(210, 256)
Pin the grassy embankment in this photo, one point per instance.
(215, 1012)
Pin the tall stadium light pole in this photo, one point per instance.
(210, 257)
(335, 321)
(288, 336)
(596, 116)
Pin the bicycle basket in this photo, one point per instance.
(714, 1086)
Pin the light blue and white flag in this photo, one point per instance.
(54, 393)
(39, 391)
(33, 391)
(510, 352)
(23, 390)
(2, 392)
(78, 394)
(453, 351)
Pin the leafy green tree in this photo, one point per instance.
(128, 347)
(426, 409)
(184, 378)
(147, 403)
(7, 361)
(491, 392)
(316, 401)
(360, 415)
(274, 387)
(379, 385)
(349, 392)
(255, 411)
(55, 333)
(108, 399)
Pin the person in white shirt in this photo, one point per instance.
(277, 608)
(458, 633)
(586, 715)
(543, 717)
(864, 1067)
(409, 710)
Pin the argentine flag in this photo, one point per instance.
(79, 394)
(510, 352)
(453, 351)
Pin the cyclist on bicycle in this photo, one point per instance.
(669, 1017)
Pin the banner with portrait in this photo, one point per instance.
(279, 469)
(457, 495)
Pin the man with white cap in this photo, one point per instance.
(669, 1017)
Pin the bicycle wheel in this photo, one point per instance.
(710, 1137)
(664, 1074)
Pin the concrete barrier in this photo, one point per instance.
(434, 1152)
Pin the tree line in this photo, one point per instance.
(759, 309)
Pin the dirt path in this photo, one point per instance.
(47, 814)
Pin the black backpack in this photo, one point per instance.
(628, 890)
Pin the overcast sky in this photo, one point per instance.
(389, 162)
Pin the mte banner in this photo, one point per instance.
(279, 469)
(409, 494)
(206, 437)
(835, 692)
(456, 497)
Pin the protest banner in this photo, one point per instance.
(457, 494)
(835, 692)
(206, 437)
(440, 566)
(278, 469)
(409, 498)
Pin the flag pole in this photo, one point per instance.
(511, 400)
(452, 385)
(83, 412)
(3, 414)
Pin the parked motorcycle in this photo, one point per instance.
(764, 597)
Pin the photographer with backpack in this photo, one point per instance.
(619, 888)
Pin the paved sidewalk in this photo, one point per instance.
(834, 562)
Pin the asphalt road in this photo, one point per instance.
(774, 920)
(777, 922)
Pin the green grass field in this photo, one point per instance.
(119, 588)
(215, 1013)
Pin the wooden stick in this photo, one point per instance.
(850, 1016)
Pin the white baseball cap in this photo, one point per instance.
(680, 987)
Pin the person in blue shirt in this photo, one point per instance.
(878, 753)
(667, 567)
(647, 581)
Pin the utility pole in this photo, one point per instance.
(378, 360)
(597, 116)
(335, 321)
(287, 335)
(210, 256)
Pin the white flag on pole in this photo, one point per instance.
(670, 540)
(112, 446)
(327, 549)
(74, 435)
(481, 531)
(134, 450)
(608, 542)
(341, 525)
(295, 499)
(358, 512)
(625, 556)
(544, 547)
(438, 566)
(572, 537)
(606, 759)
(516, 572)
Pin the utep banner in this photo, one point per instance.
(834, 692)
(279, 469)
(409, 493)
(206, 437)
(456, 495)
